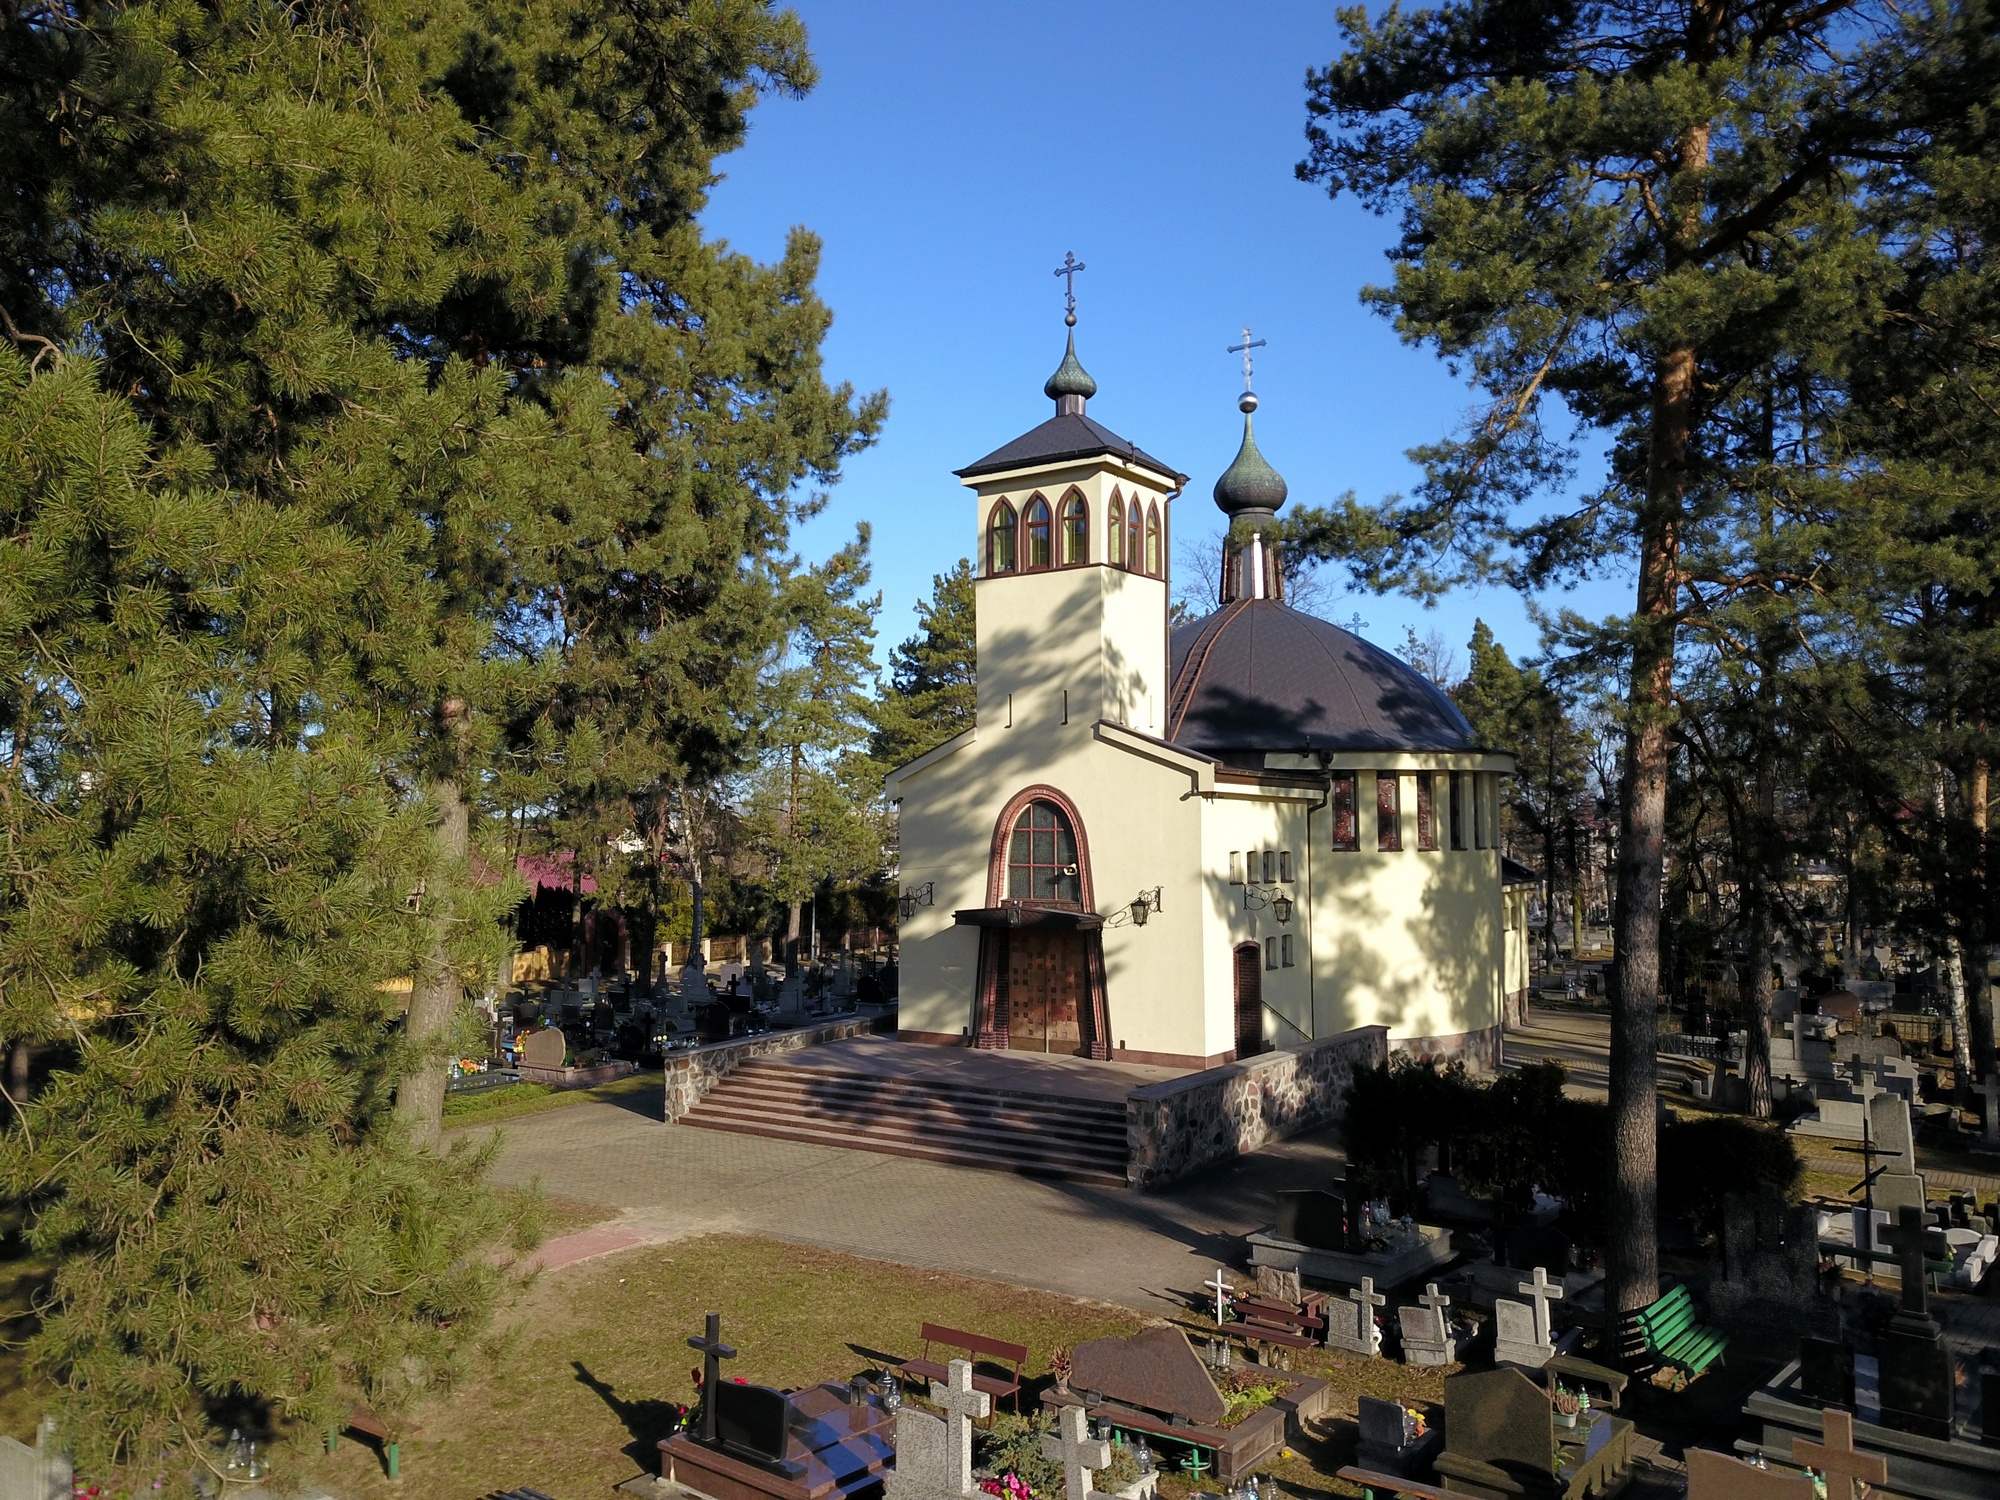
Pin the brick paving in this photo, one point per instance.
(1141, 1250)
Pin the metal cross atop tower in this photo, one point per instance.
(1068, 269)
(1244, 349)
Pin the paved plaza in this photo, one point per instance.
(1139, 1250)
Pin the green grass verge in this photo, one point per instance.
(488, 1107)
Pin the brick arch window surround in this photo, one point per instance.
(1075, 529)
(1045, 816)
(1036, 524)
(1115, 532)
(1000, 537)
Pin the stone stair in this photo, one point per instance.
(1035, 1135)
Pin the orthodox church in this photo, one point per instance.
(1184, 846)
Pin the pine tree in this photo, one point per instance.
(199, 918)
(1636, 208)
(933, 675)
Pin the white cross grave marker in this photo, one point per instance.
(1220, 1286)
(1544, 1292)
(1079, 1454)
(960, 1404)
(1370, 1299)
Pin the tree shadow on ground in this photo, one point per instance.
(647, 1421)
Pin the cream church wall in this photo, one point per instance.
(1238, 820)
(1140, 827)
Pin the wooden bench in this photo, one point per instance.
(1673, 1338)
(976, 1345)
(1580, 1370)
(364, 1421)
(1279, 1325)
(1374, 1485)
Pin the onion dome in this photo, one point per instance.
(1071, 384)
(1249, 485)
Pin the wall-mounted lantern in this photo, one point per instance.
(914, 897)
(1144, 905)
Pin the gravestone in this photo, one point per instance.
(1426, 1332)
(921, 1472)
(1497, 1420)
(1157, 1370)
(1826, 1373)
(1770, 1266)
(1350, 1321)
(1717, 1476)
(1846, 1473)
(1914, 1368)
(1279, 1284)
(1989, 1113)
(1313, 1218)
(1080, 1454)
(1900, 1184)
(962, 1405)
(546, 1048)
(1514, 1341)
(1389, 1444)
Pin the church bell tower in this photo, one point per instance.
(1074, 528)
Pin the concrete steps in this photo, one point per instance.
(1035, 1135)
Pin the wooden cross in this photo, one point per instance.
(1067, 270)
(1220, 1286)
(1544, 1292)
(713, 1352)
(960, 1403)
(1907, 1240)
(1837, 1459)
(1370, 1299)
(1078, 1453)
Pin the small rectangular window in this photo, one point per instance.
(1270, 865)
(1457, 811)
(1388, 810)
(1341, 801)
(1285, 949)
(1236, 867)
(1427, 828)
(1270, 953)
(1284, 864)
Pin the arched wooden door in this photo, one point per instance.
(1249, 999)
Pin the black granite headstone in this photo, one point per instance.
(1915, 1378)
(1826, 1373)
(1525, 1246)
(751, 1421)
(1312, 1217)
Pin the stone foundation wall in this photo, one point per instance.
(576, 1078)
(1184, 1124)
(693, 1073)
(1480, 1051)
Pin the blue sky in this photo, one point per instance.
(953, 153)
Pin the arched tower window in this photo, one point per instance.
(1135, 539)
(1041, 856)
(1153, 540)
(1000, 539)
(1116, 533)
(1075, 529)
(1036, 521)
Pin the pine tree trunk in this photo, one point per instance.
(19, 1059)
(694, 973)
(794, 921)
(1951, 966)
(434, 994)
(1757, 1053)
(1979, 998)
(1632, 1259)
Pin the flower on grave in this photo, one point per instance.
(1060, 1367)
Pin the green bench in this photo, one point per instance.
(1673, 1338)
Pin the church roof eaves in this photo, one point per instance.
(892, 779)
(1062, 439)
(1513, 872)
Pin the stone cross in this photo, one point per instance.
(1435, 1302)
(1370, 1299)
(1220, 1286)
(1907, 1240)
(1989, 1088)
(1078, 1453)
(960, 1403)
(713, 1352)
(1837, 1459)
(1544, 1292)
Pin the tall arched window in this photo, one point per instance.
(1116, 533)
(1036, 522)
(1135, 539)
(1000, 539)
(1075, 529)
(1153, 540)
(1041, 856)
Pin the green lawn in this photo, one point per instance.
(489, 1107)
